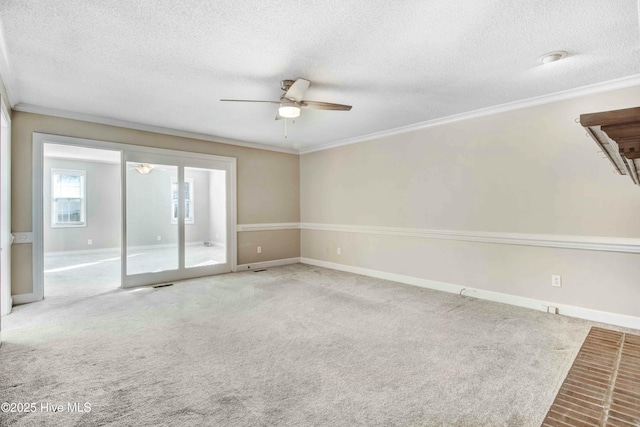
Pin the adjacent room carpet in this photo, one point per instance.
(290, 346)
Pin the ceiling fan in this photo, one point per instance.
(291, 101)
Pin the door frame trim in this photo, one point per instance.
(39, 139)
(6, 299)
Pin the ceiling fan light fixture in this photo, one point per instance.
(144, 168)
(289, 111)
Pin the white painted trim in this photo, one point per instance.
(593, 243)
(79, 159)
(10, 305)
(37, 217)
(5, 192)
(7, 72)
(36, 109)
(24, 298)
(185, 158)
(232, 211)
(563, 309)
(268, 226)
(117, 249)
(621, 83)
(46, 138)
(267, 264)
(83, 252)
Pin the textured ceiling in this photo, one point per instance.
(167, 63)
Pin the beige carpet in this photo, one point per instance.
(290, 346)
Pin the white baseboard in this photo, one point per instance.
(24, 298)
(8, 305)
(267, 264)
(214, 244)
(82, 252)
(563, 309)
(107, 250)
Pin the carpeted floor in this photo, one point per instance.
(72, 276)
(290, 346)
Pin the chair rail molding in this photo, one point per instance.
(268, 226)
(593, 243)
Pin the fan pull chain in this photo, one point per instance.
(285, 128)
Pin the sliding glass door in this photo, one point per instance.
(176, 212)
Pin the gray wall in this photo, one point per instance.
(102, 208)
(200, 230)
(149, 207)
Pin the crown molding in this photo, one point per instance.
(621, 83)
(6, 72)
(36, 109)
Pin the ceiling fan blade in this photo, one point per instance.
(325, 106)
(297, 90)
(248, 100)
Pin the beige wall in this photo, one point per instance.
(268, 182)
(527, 171)
(275, 244)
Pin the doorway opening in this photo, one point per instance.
(81, 220)
(162, 215)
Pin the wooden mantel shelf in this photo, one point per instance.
(617, 133)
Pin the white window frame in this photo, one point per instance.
(83, 198)
(191, 219)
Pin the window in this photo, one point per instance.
(188, 201)
(68, 198)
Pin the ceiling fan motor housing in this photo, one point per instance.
(286, 84)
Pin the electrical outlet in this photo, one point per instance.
(556, 281)
(259, 249)
(159, 238)
(90, 242)
(339, 251)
